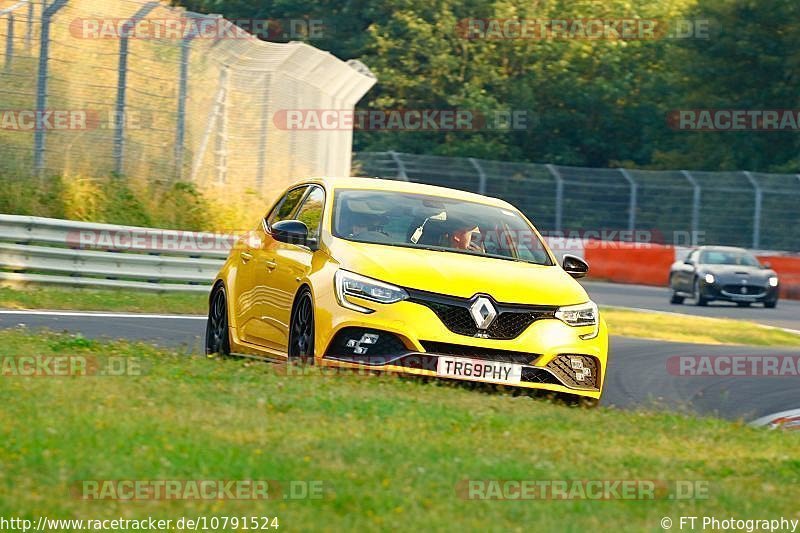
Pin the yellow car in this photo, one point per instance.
(409, 278)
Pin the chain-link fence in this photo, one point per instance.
(682, 207)
(156, 93)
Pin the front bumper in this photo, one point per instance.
(412, 339)
(733, 292)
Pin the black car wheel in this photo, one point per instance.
(697, 295)
(217, 335)
(674, 298)
(771, 304)
(301, 337)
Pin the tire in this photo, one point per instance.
(697, 296)
(771, 305)
(217, 334)
(301, 328)
(674, 299)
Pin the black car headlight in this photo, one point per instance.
(581, 315)
(773, 281)
(351, 284)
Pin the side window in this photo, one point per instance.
(310, 212)
(285, 207)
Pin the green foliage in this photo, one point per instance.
(595, 102)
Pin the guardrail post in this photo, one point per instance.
(221, 137)
(559, 195)
(262, 138)
(401, 167)
(9, 42)
(122, 80)
(481, 175)
(29, 26)
(41, 84)
(632, 200)
(696, 192)
(180, 122)
(759, 196)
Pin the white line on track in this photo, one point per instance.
(96, 314)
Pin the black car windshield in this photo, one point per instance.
(430, 222)
(728, 257)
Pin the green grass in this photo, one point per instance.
(686, 328)
(390, 451)
(84, 299)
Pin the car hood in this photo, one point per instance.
(731, 273)
(460, 275)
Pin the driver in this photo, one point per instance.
(466, 238)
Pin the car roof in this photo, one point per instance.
(379, 184)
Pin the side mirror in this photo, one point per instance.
(290, 231)
(766, 264)
(574, 266)
(688, 262)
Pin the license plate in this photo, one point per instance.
(477, 370)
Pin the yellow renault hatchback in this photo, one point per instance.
(409, 278)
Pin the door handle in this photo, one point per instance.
(246, 256)
(271, 265)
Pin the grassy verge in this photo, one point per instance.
(39, 297)
(685, 328)
(390, 452)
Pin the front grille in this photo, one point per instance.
(749, 290)
(576, 371)
(511, 320)
(476, 352)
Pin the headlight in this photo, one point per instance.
(350, 284)
(580, 315)
(709, 278)
(773, 281)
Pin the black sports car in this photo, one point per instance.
(723, 273)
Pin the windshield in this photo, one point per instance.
(728, 257)
(433, 223)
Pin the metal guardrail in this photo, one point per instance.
(66, 252)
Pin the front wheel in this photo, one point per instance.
(697, 295)
(771, 304)
(217, 334)
(301, 328)
(674, 298)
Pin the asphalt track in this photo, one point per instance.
(638, 374)
(786, 315)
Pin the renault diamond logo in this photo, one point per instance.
(482, 311)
